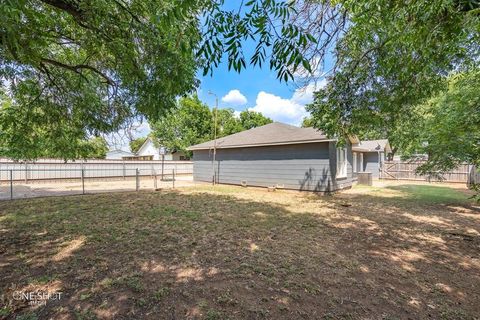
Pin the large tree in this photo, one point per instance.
(31, 140)
(92, 64)
(392, 58)
(251, 119)
(95, 64)
(192, 122)
(447, 126)
(137, 143)
(227, 122)
(189, 123)
(96, 148)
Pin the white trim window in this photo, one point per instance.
(341, 163)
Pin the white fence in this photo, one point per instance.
(51, 169)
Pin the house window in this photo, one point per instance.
(355, 168)
(341, 163)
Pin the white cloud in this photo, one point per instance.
(305, 95)
(279, 109)
(291, 111)
(234, 97)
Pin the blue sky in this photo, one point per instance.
(255, 89)
(259, 89)
(249, 82)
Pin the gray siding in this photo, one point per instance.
(309, 166)
(370, 163)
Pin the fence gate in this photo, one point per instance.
(388, 170)
(398, 170)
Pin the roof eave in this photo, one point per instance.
(193, 148)
(143, 145)
(357, 149)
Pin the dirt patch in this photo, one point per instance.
(232, 252)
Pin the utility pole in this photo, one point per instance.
(214, 136)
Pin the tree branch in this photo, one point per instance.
(124, 7)
(72, 8)
(77, 68)
(68, 6)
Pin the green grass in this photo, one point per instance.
(244, 253)
(432, 194)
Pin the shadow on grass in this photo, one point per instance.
(208, 255)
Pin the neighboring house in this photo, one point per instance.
(369, 156)
(276, 154)
(117, 154)
(149, 151)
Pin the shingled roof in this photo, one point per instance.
(372, 146)
(275, 133)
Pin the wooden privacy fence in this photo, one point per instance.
(474, 176)
(398, 170)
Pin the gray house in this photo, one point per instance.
(369, 156)
(276, 155)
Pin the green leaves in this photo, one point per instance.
(192, 122)
(278, 40)
(137, 143)
(189, 123)
(252, 119)
(393, 57)
(96, 64)
(451, 122)
(93, 66)
(57, 136)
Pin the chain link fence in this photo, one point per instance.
(26, 180)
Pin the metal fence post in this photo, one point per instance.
(163, 160)
(155, 181)
(26, 172)
(173, 178)
(11, 184)
(83, 180)
(137, 180)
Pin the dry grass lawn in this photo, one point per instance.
(396, 252)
